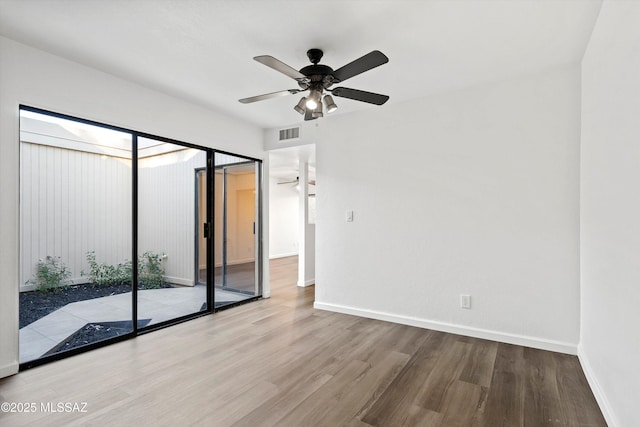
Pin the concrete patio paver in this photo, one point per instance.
(158, 305)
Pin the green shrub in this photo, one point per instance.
(106, 274)
(150, 271)
(51, 275)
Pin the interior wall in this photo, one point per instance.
(38, 79)
(610, 212)
(468, 192)
(240, 203)
(283, 223)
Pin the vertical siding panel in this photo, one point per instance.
(42, 201)
(109, 211)
(58, 199)
(26, 213)
(74, 232)
(81, 206)
(73, 202)
(36, 204)
(49, 197)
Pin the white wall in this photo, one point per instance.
(283, 219)
(610, 212)
(73, 202)
(166, 210)
(38, 79)
(306, 231)
(469, 192)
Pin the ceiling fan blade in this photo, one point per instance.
(268, 96)
(280, 66)
(360, 95)
(370, 60)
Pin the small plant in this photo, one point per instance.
(105, 274)
(150, 270)
(149, 266)
(51, 275)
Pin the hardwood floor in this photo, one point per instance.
(279, 362)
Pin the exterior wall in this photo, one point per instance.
(73, 202)
(166, 211)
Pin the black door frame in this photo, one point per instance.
(210, 167)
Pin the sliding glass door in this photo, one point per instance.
(236, 229)
(168, 244)
(75, 235)
(120, 232)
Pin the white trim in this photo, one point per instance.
(179, 281)
(306, 283)
(74, 281)
(9, 369)
(601, 398)
(283, 255)
(505, 337)
(236, 262)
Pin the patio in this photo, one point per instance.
(159, 305)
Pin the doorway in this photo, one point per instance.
(236, 230)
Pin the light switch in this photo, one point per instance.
(348, 216)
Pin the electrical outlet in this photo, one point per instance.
(465, 301)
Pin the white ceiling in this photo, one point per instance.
(202, 50)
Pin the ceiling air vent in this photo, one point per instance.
(287, 134)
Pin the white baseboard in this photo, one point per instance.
(601, 398)
(283, 255)
(179, 281)
(505, 337)
(237, 261)
(9, 369)
(306, 283)
(74, 281)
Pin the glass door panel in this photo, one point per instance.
(171, 203)
(201, 227)
(236, 230)
(75, 235)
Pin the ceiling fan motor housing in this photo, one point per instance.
(320, 76)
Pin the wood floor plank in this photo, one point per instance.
(505, 402)
(279, 362)
(462, 403)
(479, 366)
(401, 395)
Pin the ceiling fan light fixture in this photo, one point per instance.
(313, 99)
(329, 104)
(300, 107)
(317, 113)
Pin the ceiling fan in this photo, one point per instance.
(297, 181)
(318, 79)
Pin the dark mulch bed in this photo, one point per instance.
(94, 332)
(35, 305)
